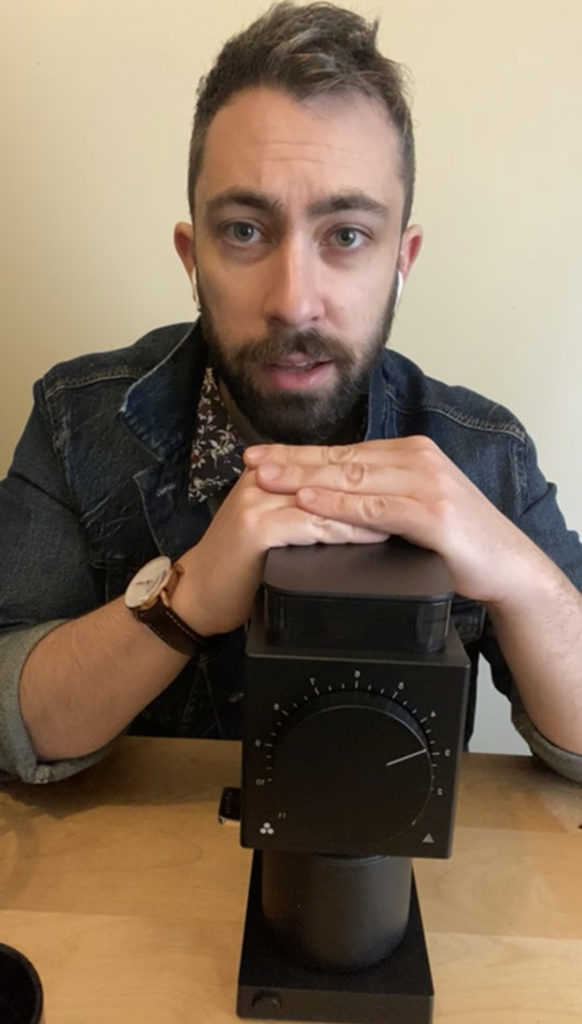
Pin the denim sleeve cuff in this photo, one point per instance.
(17, 757)
(564, 762)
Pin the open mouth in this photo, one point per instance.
(297, 373)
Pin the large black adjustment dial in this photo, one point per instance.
(350, 762)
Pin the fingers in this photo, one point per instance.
(359, 477)
(253, 519)
(405, 486)
(383, 514)
(230, 555)
(376, 487)
(406, 466)
(399, 449)
(294, 525)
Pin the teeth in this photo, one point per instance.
(297, 366)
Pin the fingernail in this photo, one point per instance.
(307, 494)
(269, 471)
(256, 452)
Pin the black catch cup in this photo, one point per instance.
(20, 989)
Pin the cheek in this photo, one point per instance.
(361, 301)
(231, 296)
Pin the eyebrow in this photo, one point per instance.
(265, 203)
(244, 197)
(347, 201)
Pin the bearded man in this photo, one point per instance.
(278, 418)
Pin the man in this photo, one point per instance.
(279, 418)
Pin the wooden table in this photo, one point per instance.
(129, 897)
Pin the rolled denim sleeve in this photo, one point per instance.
(564, 762)
(17, 756)
(540, 517)
(46, 579)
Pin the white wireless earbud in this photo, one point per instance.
(399, 285)
(195, 290)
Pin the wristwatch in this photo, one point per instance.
(148, 597)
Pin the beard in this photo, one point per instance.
(303, 416)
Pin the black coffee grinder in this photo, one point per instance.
(355, 697)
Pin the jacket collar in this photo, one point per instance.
(159, 408)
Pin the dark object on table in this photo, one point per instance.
(20, 989)
(355, 699)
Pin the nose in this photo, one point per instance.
(293, 296)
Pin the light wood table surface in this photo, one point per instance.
(129, 898)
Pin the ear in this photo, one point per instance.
(184, 246)
(410, 244)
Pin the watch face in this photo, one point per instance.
(147, 583)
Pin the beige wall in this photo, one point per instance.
(95, 103)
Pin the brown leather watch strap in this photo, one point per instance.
(165, 623)
(173, 630)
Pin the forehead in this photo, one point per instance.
(264, 139)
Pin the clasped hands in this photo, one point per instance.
(358, 493)
(405, 486)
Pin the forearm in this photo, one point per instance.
(539, 630)
(85, 681)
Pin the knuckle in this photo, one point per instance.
(426, 451)
(248, 519)
(252, 510)
(422, 443)
(444, 509)
(320, 529)
(355, 473)
(373, 507)
(438, 481)
(432, 462)
(247, 495)
(320, 522)
(338, 453)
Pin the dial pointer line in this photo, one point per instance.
(405, 758)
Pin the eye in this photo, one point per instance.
(242, 232)
(348, 238)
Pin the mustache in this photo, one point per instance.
(280, 344)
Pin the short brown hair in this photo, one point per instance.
(306, 51)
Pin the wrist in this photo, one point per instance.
(529, 580)
(188, 603)
(150, 598)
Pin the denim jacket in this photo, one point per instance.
(98, 486)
